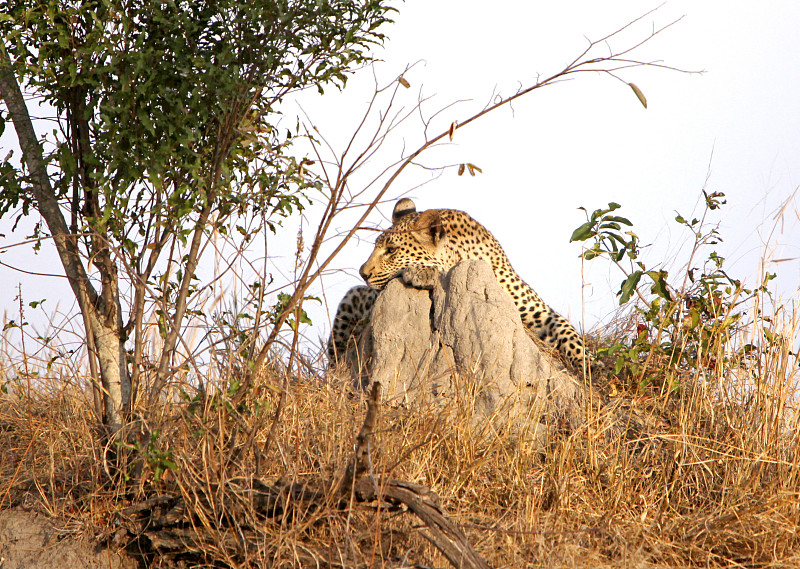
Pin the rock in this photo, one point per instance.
(465, 338)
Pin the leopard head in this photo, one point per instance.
(414, 239)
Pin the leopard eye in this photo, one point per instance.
(390, 250)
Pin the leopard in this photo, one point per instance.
(355, 309)
(419, 247)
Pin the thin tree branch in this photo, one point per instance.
(615, 61)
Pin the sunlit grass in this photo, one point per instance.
(712, 479)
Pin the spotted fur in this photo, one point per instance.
(352, 316)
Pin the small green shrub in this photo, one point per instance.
(680, 329)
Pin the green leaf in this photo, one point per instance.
(583, 232)
(618, 219)
(659, 284)
(694, 317)
(629, 287)
(770, 335)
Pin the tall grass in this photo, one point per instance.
(711, 478)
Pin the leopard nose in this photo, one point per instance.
(363, 273)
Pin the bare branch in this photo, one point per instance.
(610, 64)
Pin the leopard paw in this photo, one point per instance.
(423, 277)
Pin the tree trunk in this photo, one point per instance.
(110, 354)
(101, 312)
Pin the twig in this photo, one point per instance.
(314, 268)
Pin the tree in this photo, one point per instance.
(165, 132)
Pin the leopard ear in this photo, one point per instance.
(402, 208)
(429, 228)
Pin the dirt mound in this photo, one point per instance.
(31, 541)
(465, 338)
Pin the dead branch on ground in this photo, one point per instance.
(175, 526)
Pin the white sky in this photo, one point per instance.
(589, 141)
(581, 143)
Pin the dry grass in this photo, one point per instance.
(715, 482)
